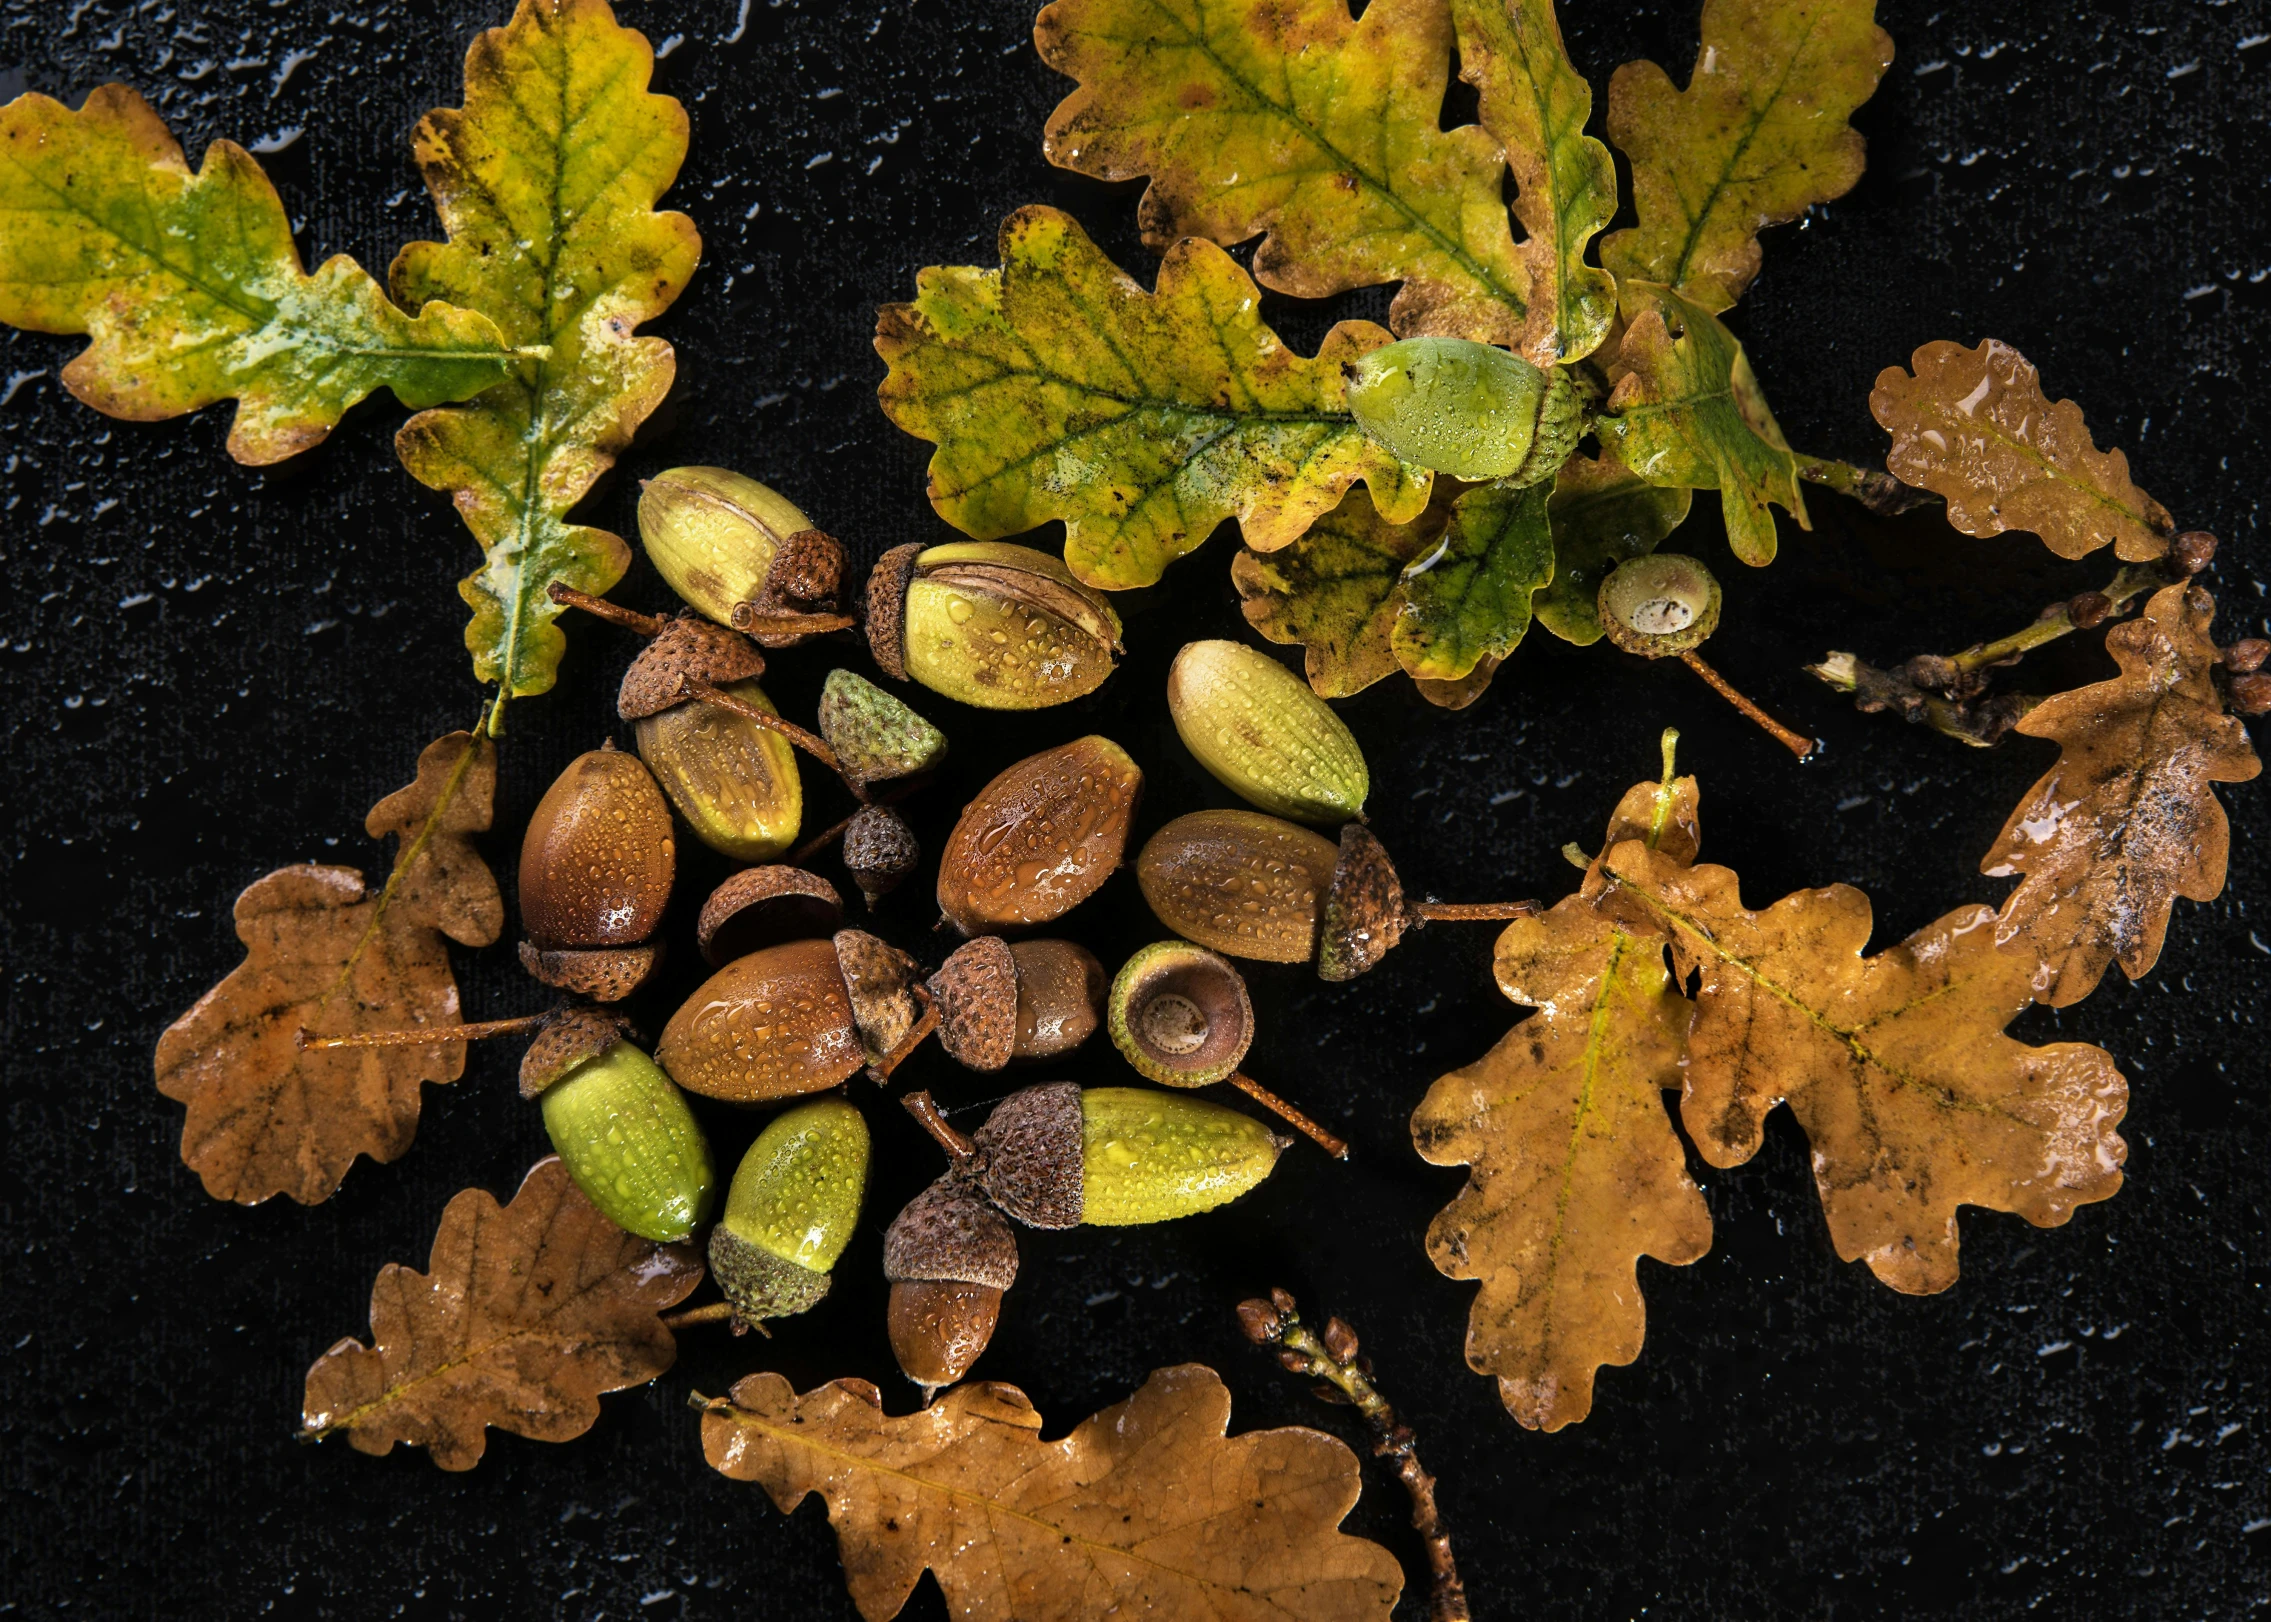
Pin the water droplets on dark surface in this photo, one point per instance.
(213, 670)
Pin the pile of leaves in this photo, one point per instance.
(1058, 388)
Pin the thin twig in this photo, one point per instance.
(422, 1036)
(750, 620)
(1881, 493)
(614, 613)
(1337, 1360)
(1472, 912)
(1334, 1146)
(811, 743)
(925, 1109)
(1801, 747)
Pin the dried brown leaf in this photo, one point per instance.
(1145, 1509)
(525, 1315)
(1973, 426)
(2126, 821)
(326, 957)
(1896, 1065)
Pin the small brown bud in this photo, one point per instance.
(2251, 693)
(2247, 655)
(1340, 1340)
(2192, 551)
(1260, 1321)
(1329, 1393)
(1295, 1362)
(1283, 1301)
(2089, 609)
(1933, 670)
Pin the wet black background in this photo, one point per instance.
(213, 670)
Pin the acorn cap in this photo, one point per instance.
(976, 988)
(807, 568)
(602, 973)
(1029, 1156)
(1364, 910)
(875, 737)
(1658, 605)
(887, 608)
(759, 1283)
(567, 1039)
(763, 906)
(686, 649)
(1180, 1014)
(948, 1235)
(880, 980)
(879, 851)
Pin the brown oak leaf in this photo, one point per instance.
(1146, 1509)
(324, 956)
(1896, 1066)
(1577, 1171)
(2126, 821)
(1973, 426)
(526, 1313)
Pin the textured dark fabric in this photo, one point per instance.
(212, 671)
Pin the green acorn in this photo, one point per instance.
(1471, 410)
(1060, 1156)
(793, 1206)
(1258, 728)
(623, 1130)
(989, 623)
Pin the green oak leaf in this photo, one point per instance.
(1057, 388)
(1689, 412)
(1536, 104)
(546, 180)
(191, 290)
(1291, 118)
(1758, 137)
(1338, 591)
(1602, 514)
(1467, 599)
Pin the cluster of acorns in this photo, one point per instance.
(798, 1004)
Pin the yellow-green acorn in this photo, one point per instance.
(733, 779)
(624, 1132)
(1471, 410)
(1659, 605)
(793, 1206)
(1058, 1156)
(713, 534)
(989, 623)
(1258, 727)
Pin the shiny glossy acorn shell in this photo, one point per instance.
(938, 1330)
(1149, 1156)
(775, 1024)
(631, 1143)
(1264, 735)
(1004, 627)
(1060, 997)
(1245, 884)
(797, 1191)
(1039, 838)
(734, 782)
(597, 861)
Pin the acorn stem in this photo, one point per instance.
(925, 1109)
(1472, 912)
(422, 1035)
(614, 613)
(1335, 1359)
(925, 1023)
(1336, 1147)
(835, 830)
(811, 743)
(750, 620)
(2129, 583)
(1801, 747)
(717, 1312)
(1881, 493)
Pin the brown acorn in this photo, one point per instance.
(596, 868)
(1040, 838)
(794, 1019)
(764, 906)
(948, 1258)
(999, 1001)
(1255, 886)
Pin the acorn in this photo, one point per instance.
(988, 623)
(948, 1257)
(1181, 1015)
(793, 1206)
(1039, 838)
(764, 906)
(1255, 886)
(794, 1019)
(626, 1135)
(596, 867)
(1659, 606)
(722, 541)
(879, 851)
(1061, 1156)
(1468, 409)
(999, 1000)
(732, 778)
(876, 738)
(1260, 730)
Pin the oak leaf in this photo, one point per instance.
(192, 291)
(1338, 591)
(1688, 411)
(525, 1315)
(1577, 1170)
(1289, 117)
(1056, 387)
(1974, 426)
(1536, 104)
(1896, 1066)
(1758, 137)
(1602, 514)
(324, 957)
(1147, 1508)
(546, 181)
(2126, 821)
(1467, 599)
